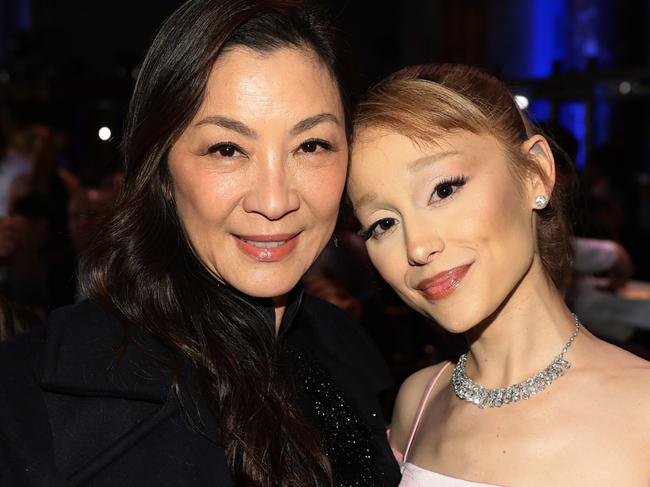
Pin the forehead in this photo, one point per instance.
(246, 79)
(372, 145)
(382, 158)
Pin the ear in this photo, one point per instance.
(542, 180)
(167, 190)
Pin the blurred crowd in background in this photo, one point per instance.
(583, 65)
(49, 214)
(53, 204)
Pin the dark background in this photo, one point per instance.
(584, 66)
(74, 60)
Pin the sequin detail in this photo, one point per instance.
(346, 438)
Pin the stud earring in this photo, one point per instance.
(540, 202)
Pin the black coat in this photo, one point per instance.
(72, 413)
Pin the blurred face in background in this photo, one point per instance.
(258, 174)
(87, 210)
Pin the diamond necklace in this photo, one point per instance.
(466, 389)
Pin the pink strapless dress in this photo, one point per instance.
(414, 476)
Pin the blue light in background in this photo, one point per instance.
(573, 115)
(540, 110)
(546, 32)
(601, 115)
(23, 16)
(548, 36)
(528, 37)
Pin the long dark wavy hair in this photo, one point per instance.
(144, 269)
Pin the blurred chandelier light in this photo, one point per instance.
(521, 101)
(104, 133)
(625, 87)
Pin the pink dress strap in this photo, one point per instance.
(421, 407)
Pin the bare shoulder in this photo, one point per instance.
(626, 377)
(407, 403)
(633, 375)
(630, 371)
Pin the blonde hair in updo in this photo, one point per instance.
(427, 102)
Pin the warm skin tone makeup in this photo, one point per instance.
(452, 230)
(258, 174)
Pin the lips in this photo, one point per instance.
(444, 283)
(267, 248)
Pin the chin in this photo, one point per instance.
(455, 319)
(267, 284)
(256, 292)
(456, 327)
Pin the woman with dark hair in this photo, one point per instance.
(464, 217)
(198, 360)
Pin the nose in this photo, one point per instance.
(422, 245)
(272, 192)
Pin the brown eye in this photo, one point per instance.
(315, 145)
(224, 150)
(227, 151)
(446, 189)
(379, 228)
(385, 223)
(311, 146)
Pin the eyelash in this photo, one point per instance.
(455, 183)
(213, 149)
(368, 233)
(323, 144)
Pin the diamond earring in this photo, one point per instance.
(541, 201)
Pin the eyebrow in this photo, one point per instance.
(413, 166)
(420, 163)
(366, 199)
(229, 124)
(245, 130)
(311, 122)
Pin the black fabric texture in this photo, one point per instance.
(73, 412)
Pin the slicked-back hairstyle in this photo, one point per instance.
(145, 270)
(427, 102)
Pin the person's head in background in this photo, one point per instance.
(32, 221)
(91, 198)
(236, 152)
(452, 183)
(88, 208)
(15, 318)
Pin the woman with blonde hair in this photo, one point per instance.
(462, 208)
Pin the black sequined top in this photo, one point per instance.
(338, 373)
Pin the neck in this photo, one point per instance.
(523, 336)
(280, 304)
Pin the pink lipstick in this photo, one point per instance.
(444, 283)
(267, 248)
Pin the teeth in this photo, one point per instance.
(265, 245)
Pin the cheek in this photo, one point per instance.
(500, 220)
(388, 259)
(322, 189)
(203, 199)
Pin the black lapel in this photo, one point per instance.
(82, 357)
(111, 413)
